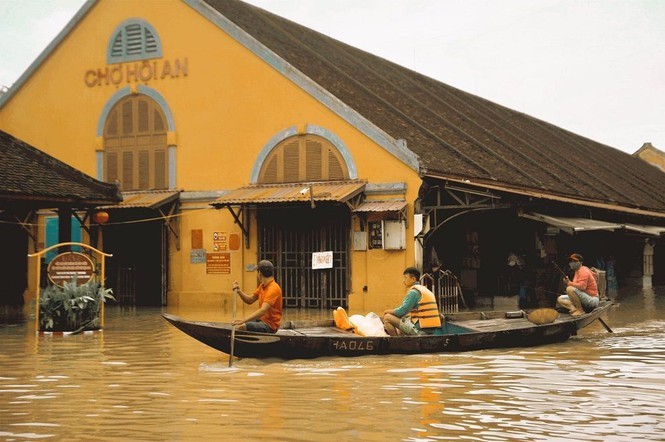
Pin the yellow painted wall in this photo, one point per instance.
(225, 109)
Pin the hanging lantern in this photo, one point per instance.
(100, 217)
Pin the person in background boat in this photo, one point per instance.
(582, 292)
(418, 313)
(269, 294)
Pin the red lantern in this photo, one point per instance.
(100, 217)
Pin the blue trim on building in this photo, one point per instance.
(339, 144)
(172, 164)
(111, 59)
(394, 147)
(267, 148)
(99, 155)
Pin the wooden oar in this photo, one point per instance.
(607, 327)
(233, 326)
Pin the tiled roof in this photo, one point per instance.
(455, 134)
(28, 174)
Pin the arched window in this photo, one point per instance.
(135, 144)
(133, 40)
(303, 158)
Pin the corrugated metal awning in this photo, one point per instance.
(572, 225)
(381, 206)
(649, 230)
(148, 199)
(338, 191)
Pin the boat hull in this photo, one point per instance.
(315, 339)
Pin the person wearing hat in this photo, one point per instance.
(269, 294)
(582, 292)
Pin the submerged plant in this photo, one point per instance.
(72, 307)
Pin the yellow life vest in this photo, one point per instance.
(426, 312)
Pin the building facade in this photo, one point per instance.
(236, 135)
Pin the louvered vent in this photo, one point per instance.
(313, 160)
(133, 40)
(335, 170)
(270, 171)
(291, 162)
(303, 158)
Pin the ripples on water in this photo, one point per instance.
(141, 379)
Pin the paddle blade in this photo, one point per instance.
(543, 316)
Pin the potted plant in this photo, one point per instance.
(72, 307)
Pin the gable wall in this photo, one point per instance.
(225, 110)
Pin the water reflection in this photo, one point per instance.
(142, 379)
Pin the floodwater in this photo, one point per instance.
(143, 380)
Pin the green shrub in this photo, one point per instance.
(72, 307)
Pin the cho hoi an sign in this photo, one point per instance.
(70, 266)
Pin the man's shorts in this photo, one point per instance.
(588, 302)
(259, 326)
(407, 327)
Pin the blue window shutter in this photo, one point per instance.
(52, 236)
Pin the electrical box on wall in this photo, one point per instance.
(394, 234)
(387, 234)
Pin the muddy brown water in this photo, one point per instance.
(143, 380)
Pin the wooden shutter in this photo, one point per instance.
(291, 162)
(144, 169)
(313, 160)
(335, 169)
(127, 170)
(143, 124)
(270, 171)
(127, 118)
(160, 169)
(111, 167)
(134, 40)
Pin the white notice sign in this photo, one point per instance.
(322, 260)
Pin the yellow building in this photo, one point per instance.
(179, 118)
(236, 135)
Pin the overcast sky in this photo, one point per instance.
(595, 67)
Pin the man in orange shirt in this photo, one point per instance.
(269, 294)
(582, 292)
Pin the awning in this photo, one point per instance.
(338, 191)
(572, 225)
(396, 205)
(148, 199)
(154, 200)
(649, 230)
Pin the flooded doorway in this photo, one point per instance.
(137, 271)
(14, 267)
(288, 237)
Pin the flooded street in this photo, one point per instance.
(141, 379)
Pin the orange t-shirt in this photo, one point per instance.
(272, 294)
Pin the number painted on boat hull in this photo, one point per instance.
(347, 345)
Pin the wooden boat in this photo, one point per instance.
(460, 332)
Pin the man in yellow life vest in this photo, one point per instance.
(418, 314)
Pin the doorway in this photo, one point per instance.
(137, 271)
(288, 237)
(14, 267)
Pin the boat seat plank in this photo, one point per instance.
(315, 331)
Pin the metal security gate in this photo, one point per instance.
(288, 237)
